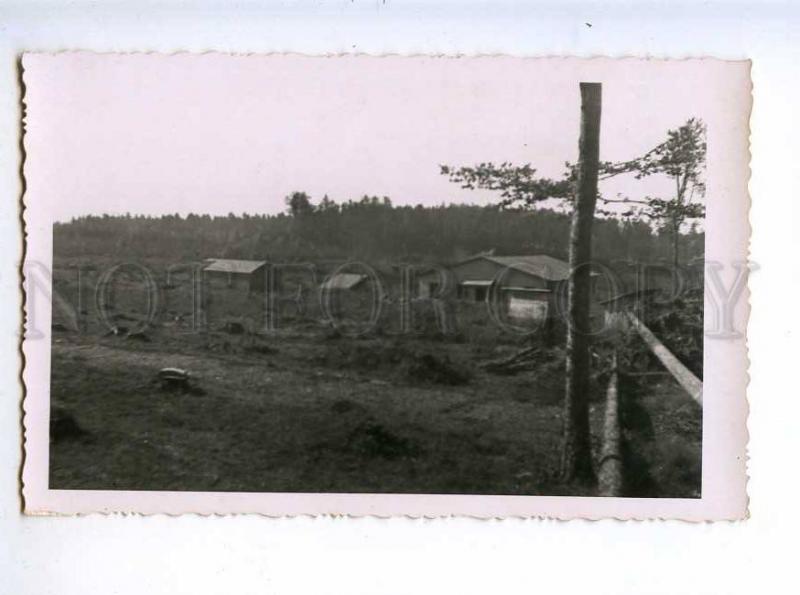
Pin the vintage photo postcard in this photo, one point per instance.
(362, 285)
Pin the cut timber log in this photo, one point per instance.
(690, 383)
(609, 476)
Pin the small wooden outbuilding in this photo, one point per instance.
(347, 296)
(245, 274)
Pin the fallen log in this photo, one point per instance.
(690, 383)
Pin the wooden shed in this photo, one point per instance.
(348, 296)
(526, 285)
(243, 274)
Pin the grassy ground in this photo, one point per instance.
(288, 421)
(305, 409)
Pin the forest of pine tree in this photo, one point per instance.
(371, 229)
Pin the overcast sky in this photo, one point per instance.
(215, 133)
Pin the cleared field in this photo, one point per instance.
(304, 409)
(281, 422)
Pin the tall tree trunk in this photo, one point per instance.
(675, 243)
(576, 459)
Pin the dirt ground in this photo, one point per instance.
(304, 409)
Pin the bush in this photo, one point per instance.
(427, 367)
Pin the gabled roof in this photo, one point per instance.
(227, 265)
(538, 265)
(343, 281)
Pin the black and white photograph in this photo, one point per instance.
(390, 297)
(359, 275)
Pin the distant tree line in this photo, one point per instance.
(370, 229)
